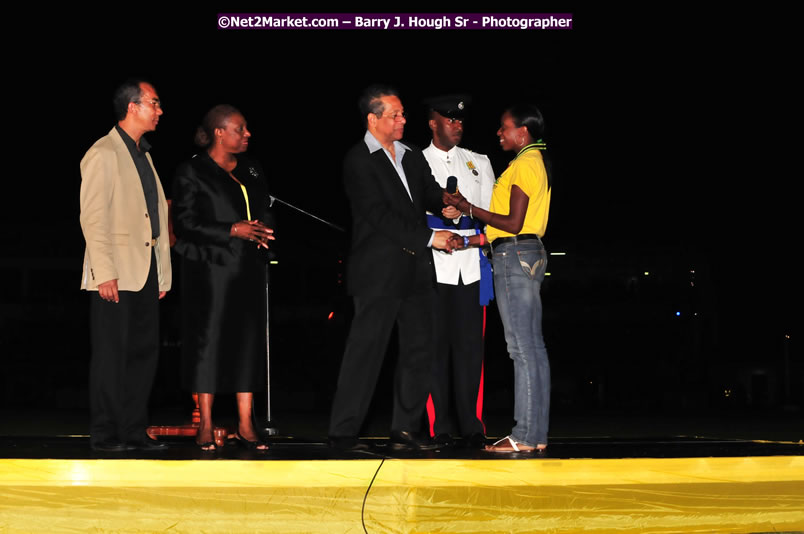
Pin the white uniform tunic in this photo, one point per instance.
(459, 162)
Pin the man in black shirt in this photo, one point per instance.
(126, 269)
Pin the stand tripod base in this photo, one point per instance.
(267, 428)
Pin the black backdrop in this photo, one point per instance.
(668, 159)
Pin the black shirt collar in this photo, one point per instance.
(145, 146)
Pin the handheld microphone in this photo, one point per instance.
(452, 185)
(452, 188)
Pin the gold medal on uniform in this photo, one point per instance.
(471, 167)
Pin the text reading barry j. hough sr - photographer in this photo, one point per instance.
(395, 21)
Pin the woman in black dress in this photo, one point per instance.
(220, 218)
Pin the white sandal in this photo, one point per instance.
(514, 447)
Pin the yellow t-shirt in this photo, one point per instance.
(527, 172)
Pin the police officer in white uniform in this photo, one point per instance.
(464, 278)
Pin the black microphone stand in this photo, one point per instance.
(268, 428)
(319, 219)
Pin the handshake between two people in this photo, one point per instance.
(444, 239)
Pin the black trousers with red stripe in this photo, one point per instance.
(458, 360)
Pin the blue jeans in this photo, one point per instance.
(518, 274)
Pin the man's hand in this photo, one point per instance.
(108, 291)
(451, 212)
(456, 242)
(441, 240)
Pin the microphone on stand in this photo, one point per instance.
(307, 213)
(268, 427)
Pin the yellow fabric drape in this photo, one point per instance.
(749, 494)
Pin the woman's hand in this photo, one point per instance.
(252, 231)
(452, 199)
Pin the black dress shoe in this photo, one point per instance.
(475, 441)
(347, 443)
(444, 440)
(402, 440)
(148, 444)
(111, 446)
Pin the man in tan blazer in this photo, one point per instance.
(124, 218)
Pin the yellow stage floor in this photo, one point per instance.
(646, 495)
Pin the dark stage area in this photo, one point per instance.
(594, 435)
(77, 448)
